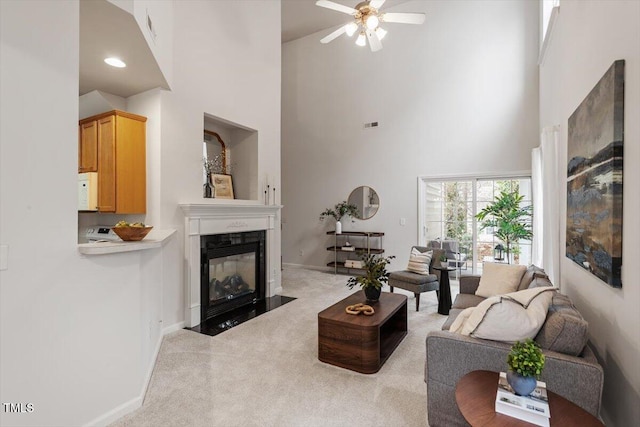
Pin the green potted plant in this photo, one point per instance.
(375, 275)
(339, 210)
(525, 361)
(510, 221)
(444, 261)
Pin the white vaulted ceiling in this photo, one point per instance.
(302, 17)
(107, 30)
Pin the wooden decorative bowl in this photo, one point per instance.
(131, 234)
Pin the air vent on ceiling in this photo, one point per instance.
(371, 125)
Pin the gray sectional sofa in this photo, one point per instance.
(571, 369)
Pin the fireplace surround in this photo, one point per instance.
(227, 217)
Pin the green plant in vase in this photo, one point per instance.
(375, 275)
(340, 210)
(526, 362)
(444, 261)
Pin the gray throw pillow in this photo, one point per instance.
(564, 330)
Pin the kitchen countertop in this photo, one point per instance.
(155, 239)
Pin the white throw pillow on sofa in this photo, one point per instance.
(499, 279)
(419, 261)
(509, 318)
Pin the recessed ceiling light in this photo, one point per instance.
(115, 62)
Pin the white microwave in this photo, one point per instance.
(88, 191)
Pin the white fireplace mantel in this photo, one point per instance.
(204, 219)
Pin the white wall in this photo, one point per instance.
(244, 161)
(78, 334)
(456, 95)
(96, 102)
(586, 39)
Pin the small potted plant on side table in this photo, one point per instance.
(526, 362)
(341, 209)
(375, 275)
(444, 261)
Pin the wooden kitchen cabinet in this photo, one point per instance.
(121, 161)
(88, 147)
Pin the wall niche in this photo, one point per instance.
(232, 149)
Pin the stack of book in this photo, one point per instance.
(350, 263)
(533, 408)
(348, 248)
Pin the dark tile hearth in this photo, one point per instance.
(226, 321)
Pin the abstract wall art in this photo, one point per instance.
(594, 178)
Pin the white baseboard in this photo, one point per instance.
(173, 328)
(117, 412)
(135, 403)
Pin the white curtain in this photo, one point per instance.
(537, 243)
(546, 187)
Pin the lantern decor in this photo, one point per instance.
(498, 252)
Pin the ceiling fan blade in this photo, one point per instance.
(335, 6)
(403, 18)
(334, 35)
(376, 3)
(374, 41)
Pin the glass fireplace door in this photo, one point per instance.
(232, 276)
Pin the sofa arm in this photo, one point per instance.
(450, 356)
(469, 284)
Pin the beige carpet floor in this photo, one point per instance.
(266, 372)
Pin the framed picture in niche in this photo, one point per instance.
(223, 185)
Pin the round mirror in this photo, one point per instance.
(366, 200)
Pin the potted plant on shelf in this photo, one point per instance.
(375, 275)
(526, 362)
(341, 209)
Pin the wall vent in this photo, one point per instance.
(371, 125)
(152, 31)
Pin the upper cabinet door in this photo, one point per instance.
(107, 164)
(88, 147)
(131, 165)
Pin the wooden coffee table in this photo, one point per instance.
(358, 342)
(476, 399)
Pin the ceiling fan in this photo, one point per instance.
(367, 19)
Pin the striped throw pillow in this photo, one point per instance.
(419, 261)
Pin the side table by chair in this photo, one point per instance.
(444, 302)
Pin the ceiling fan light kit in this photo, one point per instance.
(367, 20)
(351, 28)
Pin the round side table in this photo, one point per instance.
(476, 398)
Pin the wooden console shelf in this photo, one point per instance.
(366, 242)
(357, 250)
